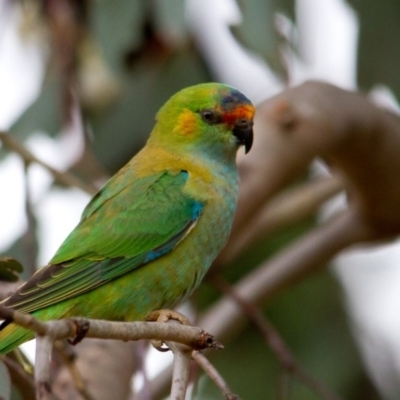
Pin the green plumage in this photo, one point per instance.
(147, 238)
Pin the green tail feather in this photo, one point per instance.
(13, 336)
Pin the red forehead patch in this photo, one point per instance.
(245, 111)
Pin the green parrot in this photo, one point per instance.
(147, 238)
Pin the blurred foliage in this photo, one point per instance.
(379, 43)
(257, 32)
(145, 90)
(10, 269)
(143, 53)
(44, 114)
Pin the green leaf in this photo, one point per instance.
(10, 269)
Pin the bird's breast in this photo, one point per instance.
(219, 196)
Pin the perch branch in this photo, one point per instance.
(188, 337)
(191, 336)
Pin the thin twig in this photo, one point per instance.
(68, 357)
(44, 345)
(274, 341)
(20, 378)
(214, 375)
(63, 178)
(181, 368)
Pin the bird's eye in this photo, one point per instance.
(209, 116)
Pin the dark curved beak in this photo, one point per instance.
(243, 130)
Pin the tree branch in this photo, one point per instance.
(284, 209)
(101, 329)
(188, 337)
(305, 256)
(67, 359)
(180, 370)
(105, 366)
(271, 336)
(62, 178)
(215, 376)
(20, 378)
(302, 123)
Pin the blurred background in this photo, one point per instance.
(80, 83)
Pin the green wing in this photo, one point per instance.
(122, 228)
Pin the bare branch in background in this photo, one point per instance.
(67, 356)
(20, 378)
(302, 123)
(284, 209)
(105, 369)
(62, 178)
(271, 336)
(215, 376)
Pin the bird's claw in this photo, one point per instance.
(82, 327)
(164, 315)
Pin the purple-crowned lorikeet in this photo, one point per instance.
(148, 237)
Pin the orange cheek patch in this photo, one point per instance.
(187, 123)
(246, 111)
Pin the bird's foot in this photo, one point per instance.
(164, 315)
(82, 327)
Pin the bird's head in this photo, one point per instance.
(210, 118)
